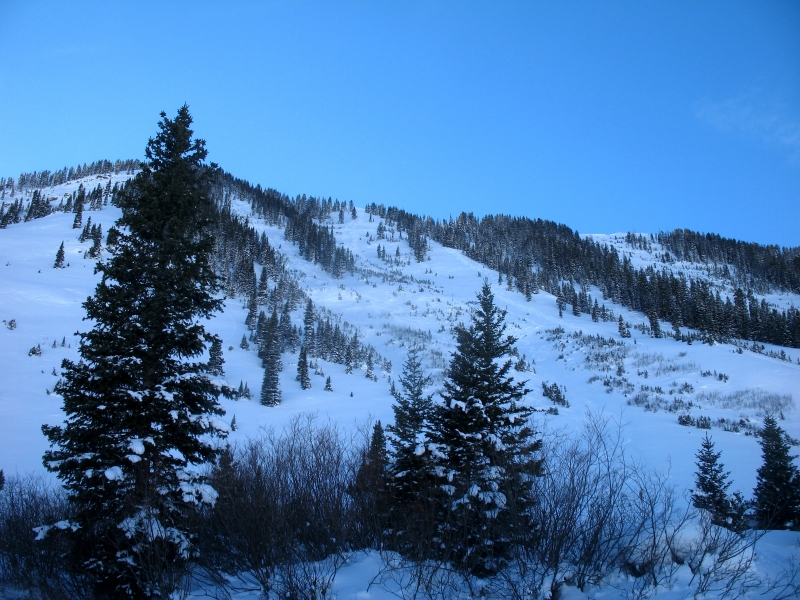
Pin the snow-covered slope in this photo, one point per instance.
(642, 382)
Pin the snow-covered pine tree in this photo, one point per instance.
(623, 329)
(78, 208)
(369, 488)
(270, 353)
(302, 369)
(328, 386)
(410, 514)
(215, 358)
(711, 484)
(370, 367)
(481, 448)
(777, 492)
(59, 264)
(96, 237)
(309, 340)
(141, 409)
(86, 231)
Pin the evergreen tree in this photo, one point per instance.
(215, 360)
(302, 369)
(369, 489)
(59, 264)
(86, 231)
(252, 312)
(328, 386)
(309, 340)
(777, 492)
(410, 481)
(271, 355)
(76, 223)
(348, 360)
(96, 235)
(2, 479)
(481, 448)
(623, 330)
(141, 408)
(370, 367)
(711, 484)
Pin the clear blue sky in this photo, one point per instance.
(606, 116)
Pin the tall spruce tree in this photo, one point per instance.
(777, 492)
(302, 369)
(309, 340)
(59, 264)
(410, 481)
(711, 484)
(481, 447)
(141, 409)
(271, 357)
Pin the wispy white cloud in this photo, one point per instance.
(754, 115)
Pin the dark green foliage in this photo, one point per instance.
(302, 369)
(96, 235)
(711, 484)
(2, 479)
(78, 209)
(86, 233)
(140, 405)
(309, 340)
(270, 353)
(624, 332)
(410, 480)
(328, 386)
(215, 359)
(554, 392)
(777, 492)
(12, 215)
(370, 374)
(59, 264)
(243, 391)
(39, 207)
(370, 487)
(481, 448)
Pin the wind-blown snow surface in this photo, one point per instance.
(433, 296)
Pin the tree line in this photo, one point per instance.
(537, 254)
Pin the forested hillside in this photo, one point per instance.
(381, 405)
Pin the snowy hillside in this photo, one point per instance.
(391, 302)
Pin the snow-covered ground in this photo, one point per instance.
(423, 303)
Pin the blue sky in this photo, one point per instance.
(606, 116)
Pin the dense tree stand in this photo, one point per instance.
(141, 406)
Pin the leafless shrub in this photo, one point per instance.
(283, 519)
(39, 568)
(721, 560)
(763, 402)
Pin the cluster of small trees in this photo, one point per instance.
(776, 497)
